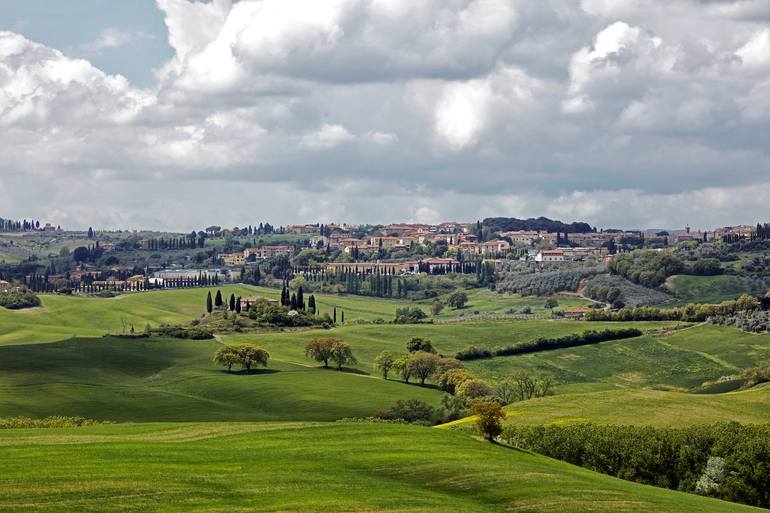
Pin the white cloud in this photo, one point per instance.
(328, 136)
(755, 54)
(111, 37)
(608, 109)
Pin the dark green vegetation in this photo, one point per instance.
(18, 300)
(629, 293)
(549, 344)
(728, 461)
(144, 380)
(541, 283)
(350, 467)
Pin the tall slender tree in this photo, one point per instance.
(209, 306)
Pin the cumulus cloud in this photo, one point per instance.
(608, 110)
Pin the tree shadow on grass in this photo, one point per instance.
(252, 372)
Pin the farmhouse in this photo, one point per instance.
(268, 251)
(552, 255)
(234, 259)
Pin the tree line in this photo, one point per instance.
(548, 344)
(728, 461)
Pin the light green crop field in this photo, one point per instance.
(641, 407)
(303, 467)
(706, 289)
(174, 380)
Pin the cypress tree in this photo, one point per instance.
(300, 299)
(209, 306)
(293, 302)
(218, 299)
(238, 306)
(311, 304)
(334, 318)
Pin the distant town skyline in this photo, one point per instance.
(172, 114)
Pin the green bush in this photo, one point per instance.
(48, 422)
(19, 300)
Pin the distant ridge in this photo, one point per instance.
(511, 224)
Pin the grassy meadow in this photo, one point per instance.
(640, 407)
(278, 467)
(191, 437)
(706, 289)
(63, 317)
(174, 380)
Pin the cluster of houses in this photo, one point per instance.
(263, 253)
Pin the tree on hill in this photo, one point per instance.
(252, 356)
(311, 304)
(227, 356)
(320, 349)
(489, 419)
(551, 303)
(238, 305)
(300, 298)
(232, 302)
(81, 254)
(457, 299)
(218, 299)
(384, 362)
(342, 354)
(423, 365)
(420, 344)
(209, 304)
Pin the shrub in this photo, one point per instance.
(473, 389)
(19, 300)
(48, 422)
(409, 315)
(412, 411)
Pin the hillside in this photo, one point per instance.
(174, 380)
(302, 467)
(641, 407)
(707, 289)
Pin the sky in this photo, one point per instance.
(179, 114)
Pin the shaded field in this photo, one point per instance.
(296, 467)
(174, 380)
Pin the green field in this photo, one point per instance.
(174, 380)
(301, 467)
(368, 340)
(641, 407)
(706, 289)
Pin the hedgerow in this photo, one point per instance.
(548, 344)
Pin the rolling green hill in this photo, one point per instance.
(63, 317)
(706, 289)
(368, 340)
(174, 380)
(302, 467)
(641, 407)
